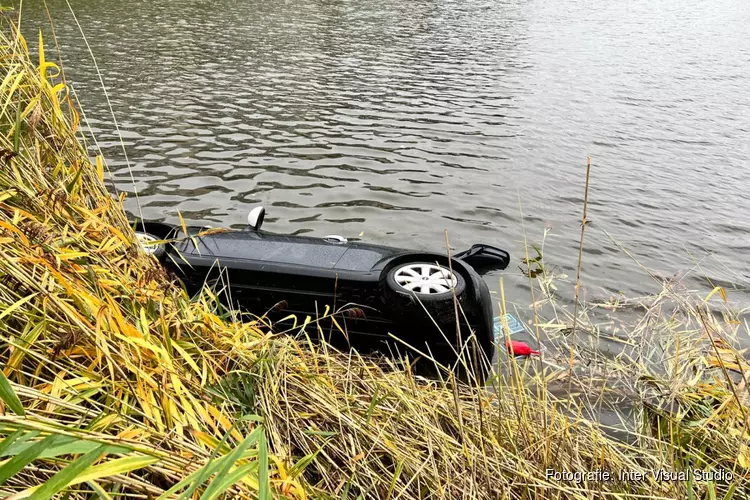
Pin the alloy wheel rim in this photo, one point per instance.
(148, 242)
(426, 279)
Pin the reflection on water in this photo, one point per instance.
(402, 119)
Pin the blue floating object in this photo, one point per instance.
(514, 326)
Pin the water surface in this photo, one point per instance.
(400, 120)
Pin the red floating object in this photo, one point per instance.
(518, 348)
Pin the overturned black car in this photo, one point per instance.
(354, 295)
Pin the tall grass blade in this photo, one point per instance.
(9, 396)
(218, 485)
(64, 445)
(222, 482)
(264, 483)
(18, 462)
(115, 467)
(8, 442)
(62, 479)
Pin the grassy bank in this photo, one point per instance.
(116, 384)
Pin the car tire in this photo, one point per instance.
(409, 286)
(146, 241)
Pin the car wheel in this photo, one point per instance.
(149, 244)
(409, 284)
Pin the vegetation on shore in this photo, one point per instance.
(116, 384)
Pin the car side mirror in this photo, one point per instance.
(255, 218)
